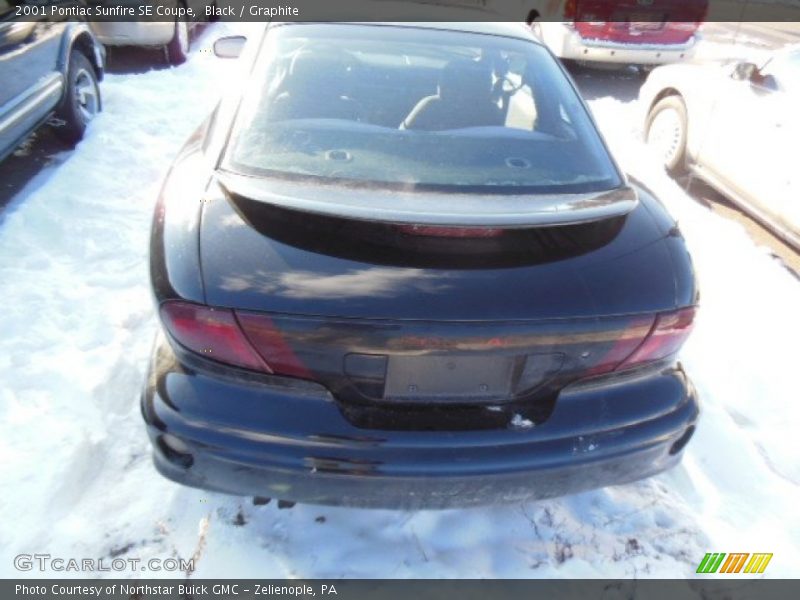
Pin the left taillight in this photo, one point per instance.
(669, 333)
(210, 332)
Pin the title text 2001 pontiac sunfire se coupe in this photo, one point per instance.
(398, 267)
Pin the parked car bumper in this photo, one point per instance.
(566, 43)
(134, 33)
(287, 439)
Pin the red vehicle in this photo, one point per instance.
(644, 32)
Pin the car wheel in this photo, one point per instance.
(178, 48)
(81, 101)
(665, 131)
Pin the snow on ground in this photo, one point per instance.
(77, 326)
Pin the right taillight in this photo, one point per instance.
(669, 332)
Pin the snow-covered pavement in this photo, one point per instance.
(77, 324)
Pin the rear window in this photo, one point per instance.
(415, 108)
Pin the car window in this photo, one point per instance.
(416, 107)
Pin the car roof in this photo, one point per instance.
(513, 30)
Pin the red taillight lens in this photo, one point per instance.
(645, 340)
(451, 232)
(668, 335)
(271, 345)
(628, 340)
(211, 332)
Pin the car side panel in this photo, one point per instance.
(32, 84)
(722, 112)
(174, 241)
(33, 70)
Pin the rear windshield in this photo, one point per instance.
(415, 108)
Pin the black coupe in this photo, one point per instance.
(398, 267)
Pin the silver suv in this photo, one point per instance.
(48, 72)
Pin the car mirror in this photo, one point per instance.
(230, 46)
(744, 71)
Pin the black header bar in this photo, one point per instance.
(402, 10)
(715, 588)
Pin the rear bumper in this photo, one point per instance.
(134, 33)
(566, 43)
(275, 438)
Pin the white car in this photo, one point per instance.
(628, 32)
(737, 127)
(173, 35)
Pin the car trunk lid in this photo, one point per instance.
(264, 257)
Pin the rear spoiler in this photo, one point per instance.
(434, 208)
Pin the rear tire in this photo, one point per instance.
(666, 131)
(81, 101)
(178, 48)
